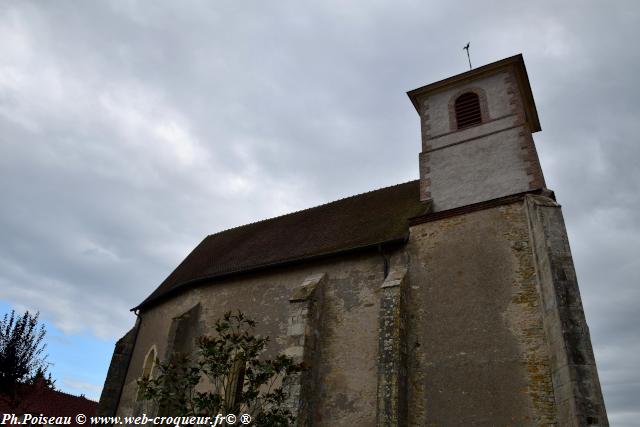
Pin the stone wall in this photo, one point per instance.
(477, 349)
(482, 169)
(498, 105)
(578, 394)
(118, 367)
(496, 158)
(346, 358)
(475, 321)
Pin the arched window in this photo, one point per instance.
(468, 113)
(147, 368)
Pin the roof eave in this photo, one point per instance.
(180, 287)
(516, 61)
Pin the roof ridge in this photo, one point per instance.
(310, 208)
(34, 389)
(360, 220)
(82, 396)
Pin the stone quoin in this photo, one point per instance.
(450, 300)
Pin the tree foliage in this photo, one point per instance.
(22, 358)
(225, 375)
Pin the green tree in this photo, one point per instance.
(22, 358)
(226, 375)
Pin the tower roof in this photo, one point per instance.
(515, 62)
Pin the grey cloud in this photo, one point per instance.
(130, 130)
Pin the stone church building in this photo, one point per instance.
(451, 300)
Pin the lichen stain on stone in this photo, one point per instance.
(524, 318)
(348, 344)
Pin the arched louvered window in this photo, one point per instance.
(467, 108)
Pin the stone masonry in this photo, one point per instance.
(451, 300)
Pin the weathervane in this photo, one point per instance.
(468, 56)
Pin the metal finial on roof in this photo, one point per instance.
(468, 56)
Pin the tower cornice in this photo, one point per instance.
(516, 63)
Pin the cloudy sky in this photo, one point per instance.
(130, 130)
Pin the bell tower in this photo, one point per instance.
(477, 142)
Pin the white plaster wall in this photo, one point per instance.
(478, 170)
(494, 85)
(473, 132)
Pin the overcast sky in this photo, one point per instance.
(130, 130)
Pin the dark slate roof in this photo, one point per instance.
(356, 222)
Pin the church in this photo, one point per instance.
(451, 300)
